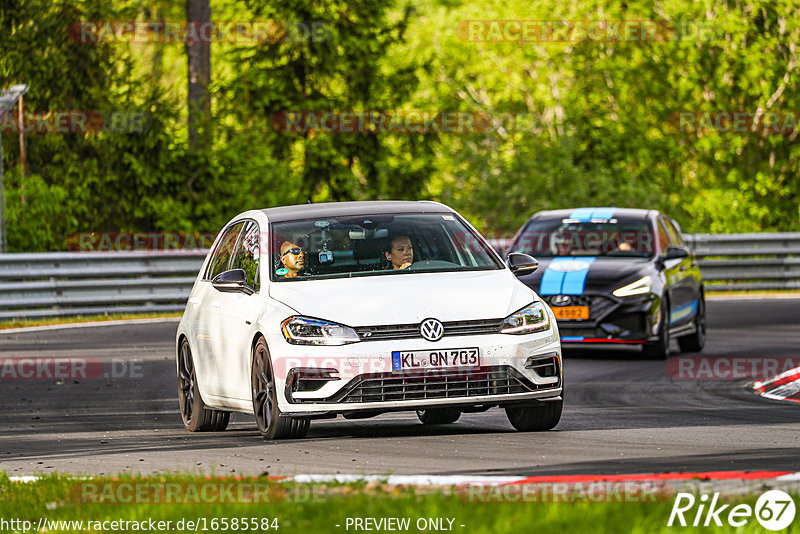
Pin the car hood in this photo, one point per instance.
(406, 298)
(574, 275)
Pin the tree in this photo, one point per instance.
(198, 60)
(328, 57)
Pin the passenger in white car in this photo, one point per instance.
(399, 252)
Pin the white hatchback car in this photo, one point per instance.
(361, 308)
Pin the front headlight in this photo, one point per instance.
(531, 318)
(307, 331)
(638, 287)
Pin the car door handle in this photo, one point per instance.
(194, 300)
(216, 304)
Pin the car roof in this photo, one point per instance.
(345, 209)
(596, 212)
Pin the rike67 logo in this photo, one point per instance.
(774, 510)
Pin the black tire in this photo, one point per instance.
(438, 416)
(659, 350)
(271, 424)
(542, 416)
(196, 417)
(695, 342)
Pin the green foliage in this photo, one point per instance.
(321, 507)
(35, 215)
(594, 119)
(604, 109)
(340, 68)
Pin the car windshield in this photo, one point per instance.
(372, 245)
(570, 237)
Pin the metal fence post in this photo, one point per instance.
(8, 98)
(2, 202)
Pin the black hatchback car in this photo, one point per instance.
(615, 276)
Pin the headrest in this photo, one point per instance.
(368, 249)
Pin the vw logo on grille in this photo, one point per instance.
(561, 300)
(431, 329)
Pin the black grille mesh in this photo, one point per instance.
(381, 387)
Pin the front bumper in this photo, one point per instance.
(367, 383)
(612, 320)
(479, 402)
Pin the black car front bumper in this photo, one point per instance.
(611, 319)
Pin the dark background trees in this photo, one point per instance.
(596, 128)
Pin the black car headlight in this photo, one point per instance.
(307, 331)
(639, 287)
(532, 318)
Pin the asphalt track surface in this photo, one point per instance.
(622, 414)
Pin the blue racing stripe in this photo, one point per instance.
(561, 282)
(603, 213)
(575, 281)
(587, 214)
(571, 338)
(582, 214)
(683, 312)
(551, 280)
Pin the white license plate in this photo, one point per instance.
(435, 359)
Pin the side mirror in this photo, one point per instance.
(233, 281)
(521, 264)
(674, 253)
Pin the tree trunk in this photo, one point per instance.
(198, 55)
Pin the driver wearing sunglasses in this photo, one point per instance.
(293, 259)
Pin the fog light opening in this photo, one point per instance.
(545, 365)
(304, 379)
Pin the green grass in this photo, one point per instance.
(44, 321)
(318, 509)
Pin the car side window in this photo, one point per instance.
(675, 234)
(663, 236)
(225, 248)
(247, 254)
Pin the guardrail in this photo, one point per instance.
(96, 283)
(739, 262)
(732, 262)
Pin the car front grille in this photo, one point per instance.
(383, 387)
(598, 305)
(410, 331)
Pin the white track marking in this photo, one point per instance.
(87, 325)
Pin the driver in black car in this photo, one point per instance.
(399, 252)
